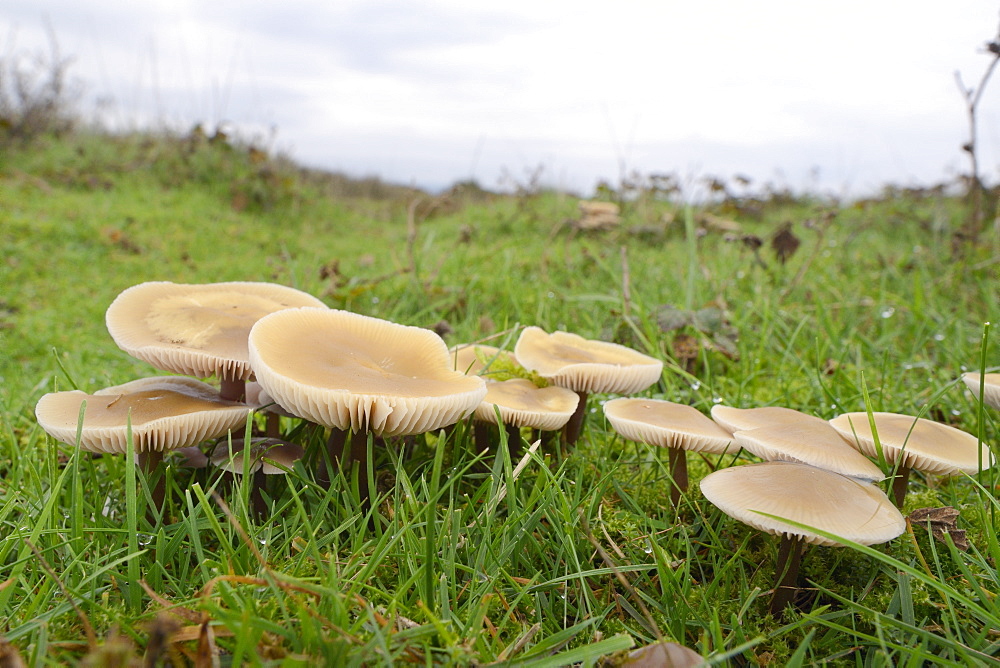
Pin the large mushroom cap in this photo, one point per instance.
(351, 371)
(920, 444)
(521, 403)
(583, 365)
(667, 424)
(165, 413)
(828, 501)
(815, 443)
(196, 330)
(742, 419)
(991, 387)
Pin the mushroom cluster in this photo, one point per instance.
(197, 330)
(282, 351)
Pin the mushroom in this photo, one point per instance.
(758, 494)
(584, 366)
(742, 419)
(521, 403)
(663, 654)
(477, 360)
(198, 330)
(990, 383)
(666, 424)
(269, 456)
(810, 442)
(914, 443)
(162, 413)
(353, 372)
(259, 399)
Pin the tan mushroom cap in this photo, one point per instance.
(351, 371)
(521, 403)
(662, 655)
(991, 387)
(742, 419)
(583, 365)
(257, 397)
(814, 443)
(165, 412)
(922, 444)
(476, 360)
(196, 329)
(667, 424)
(263, 450)
(828, 501)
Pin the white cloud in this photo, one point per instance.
(429, 91)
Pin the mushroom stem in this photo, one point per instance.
(573, 428)
(256, 493)
(481, 433)
(358, 452)
(513, 442)
(272, 425)
(334, 451)
(787, 570)
(899, 485)
(678, 474)
(149, 461)
(232, 389)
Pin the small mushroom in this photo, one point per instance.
(810, 442)
(850, 509)
(742, 419)
(990, 387)
(353, 372)
(914, 443)
(163, 413)
(198, 330)
(264, 453)
(584, 366)
(521, 403)
(261, 401)
(474, 359)
(661, 654)
(669, 425)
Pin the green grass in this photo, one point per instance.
(460, 561)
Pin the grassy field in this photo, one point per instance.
(464, 560)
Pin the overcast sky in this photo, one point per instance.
(839, 97)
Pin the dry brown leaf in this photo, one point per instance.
(941, 521)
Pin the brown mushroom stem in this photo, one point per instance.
(359, 453)
(149, 461)
(573, 428)
(484, 438)
(678, 474)
(256, 493)
(334, 451)
(272, 425)
(787, 570)
(481, 435)
(899, 485)
(514, 448)
(232, 389)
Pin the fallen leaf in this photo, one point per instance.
(941, 521)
